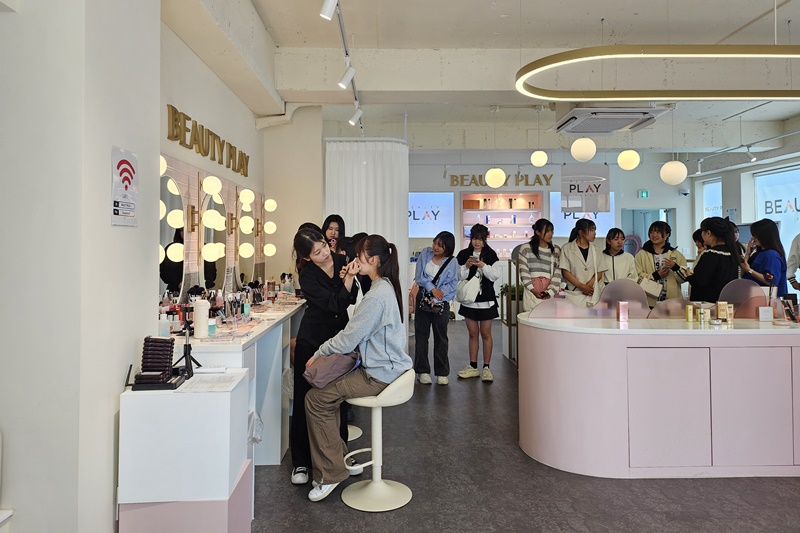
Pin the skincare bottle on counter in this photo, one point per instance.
(163, 325)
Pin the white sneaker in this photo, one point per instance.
(425, 379)
(320, 492)
(468, 372)
(486, 375)
(442, 380)
(300, 475)
(354, 468)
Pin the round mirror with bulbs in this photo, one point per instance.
(171, 235)
(247, 235)
(214, 236)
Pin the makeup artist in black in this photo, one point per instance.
(327, 297)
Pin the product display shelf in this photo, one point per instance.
(508, 217)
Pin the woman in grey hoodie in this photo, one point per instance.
(377, 330)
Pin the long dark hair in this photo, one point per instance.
(304, 241)
(612, 234)
(585, 225)
(339, 220)
(766, 231)
(479, 231)
(448, 241)
(386, 252)
(542, 225)
(723, 231)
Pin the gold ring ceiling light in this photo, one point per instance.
(655, 51)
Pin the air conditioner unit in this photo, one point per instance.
(581, 122)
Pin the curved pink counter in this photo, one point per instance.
(660, 398)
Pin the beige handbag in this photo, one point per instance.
(652, 288)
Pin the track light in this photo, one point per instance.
(750, 155)
(699, 167)
(347, 77)
(328, 9)
(356, 116)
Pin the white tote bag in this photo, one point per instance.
(469, 289)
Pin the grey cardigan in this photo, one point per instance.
(377, 331)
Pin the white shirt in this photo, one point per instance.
(793, 260)
(490, 272)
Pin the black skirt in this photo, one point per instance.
(478, 314)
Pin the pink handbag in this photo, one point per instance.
(331, 367)
(540, 284)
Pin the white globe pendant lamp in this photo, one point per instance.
(628, 159)
(673, 172)
(495, 178)
(583, 149)
(539, 157)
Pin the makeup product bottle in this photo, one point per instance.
(163, 325)
(220, 301)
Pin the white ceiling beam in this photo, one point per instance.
(230, 38)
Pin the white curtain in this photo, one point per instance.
(366, 182)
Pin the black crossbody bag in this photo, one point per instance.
(428, 303)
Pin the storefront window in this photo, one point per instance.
(776, 197)
(712, 198)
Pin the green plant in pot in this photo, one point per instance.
(513, 292)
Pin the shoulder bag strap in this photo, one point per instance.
(435, 279)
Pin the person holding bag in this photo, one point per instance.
(479, 260)
(377, 331)
(660, 262)
(579, 265)
(437, 277)
(327, 297)
(538, 265)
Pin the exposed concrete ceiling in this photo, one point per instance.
(447, 62)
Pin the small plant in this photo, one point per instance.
(514, 292)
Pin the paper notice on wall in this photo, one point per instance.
(124, 187)
(585, 188)
(733, 215)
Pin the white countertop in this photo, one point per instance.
(662, 326)
(268, 320)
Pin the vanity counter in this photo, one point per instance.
(660, 397)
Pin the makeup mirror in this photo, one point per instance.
(170, 250)
(214, 237)
(246, 236)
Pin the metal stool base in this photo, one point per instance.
(376, 496)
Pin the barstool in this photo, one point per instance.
(379, 494)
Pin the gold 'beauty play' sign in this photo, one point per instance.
(517, 180)
(204, 141)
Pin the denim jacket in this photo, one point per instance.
(448, 280)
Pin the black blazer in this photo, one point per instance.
(327, 301)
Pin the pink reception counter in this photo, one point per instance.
(660, 398)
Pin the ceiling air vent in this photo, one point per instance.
(596, 121)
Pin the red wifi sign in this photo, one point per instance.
(126, 172)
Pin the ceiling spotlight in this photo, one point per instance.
(347, 78)
(328, 9)
(356, 117)
(750, 155)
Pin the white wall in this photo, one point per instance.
(428, 173)
(74, 85)
(189, 85)
(294, 177)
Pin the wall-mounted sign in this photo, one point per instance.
(429, 213)
(191, 135)
(512, 180)
(643, 193)
(564, 222)
(124, 187)
(585, 188)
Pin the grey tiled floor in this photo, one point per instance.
(456, 448)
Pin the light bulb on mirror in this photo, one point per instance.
(220, 224)
(270, 205)
(246, 250)
(270, 227)
(161, 254)
(212, 185)
(162, 210)
(220, 249)
(217, 199)
(246, 196)
(673, 172)
(175, 252)
(175, 218)
(162, 163)
(246, 224)
(269, 250)
(210, 218)
(210, 252)
(172, 187)
(247, 208)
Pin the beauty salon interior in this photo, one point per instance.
(160, 156)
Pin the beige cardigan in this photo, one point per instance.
(645, 266)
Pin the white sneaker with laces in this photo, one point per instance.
(442, 380)
(425, 379)
(354, 468)
(320, 492)
(486, 375)
(300, 475)
(468, 372)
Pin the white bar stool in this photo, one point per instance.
(379, 494)
(353, 432)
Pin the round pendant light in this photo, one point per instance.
(673, 172)
(539, 158)
(495, 178)
(583, 149)
(628, 160)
